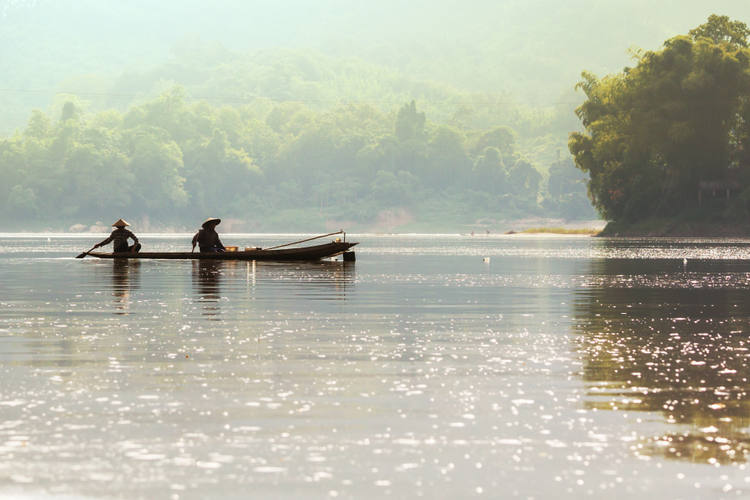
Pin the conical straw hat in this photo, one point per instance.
(211, 220)
(120, 223)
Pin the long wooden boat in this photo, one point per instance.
(315, 252)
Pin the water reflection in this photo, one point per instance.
(125, 279)
(207, 275)
(326, 280)
(656, 340)
(323, 280)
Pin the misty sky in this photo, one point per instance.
(534, 49)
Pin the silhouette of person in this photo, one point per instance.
(120, 238)
(207, 238)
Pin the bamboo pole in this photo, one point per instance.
(302, 241)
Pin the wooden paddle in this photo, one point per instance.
(84, 254)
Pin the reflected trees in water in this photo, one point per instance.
(671, 345)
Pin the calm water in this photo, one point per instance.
(565, 367)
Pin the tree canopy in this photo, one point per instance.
(679, 117)
(270, 166)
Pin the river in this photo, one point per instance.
(435, 366)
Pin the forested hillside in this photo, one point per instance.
(294, 111)
(274, 165)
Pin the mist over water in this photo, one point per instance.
(574, 367)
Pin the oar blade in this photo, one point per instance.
(84, 254)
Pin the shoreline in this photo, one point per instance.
(670, 228)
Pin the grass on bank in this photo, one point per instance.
(559, 230)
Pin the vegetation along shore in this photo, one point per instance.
(667, 141)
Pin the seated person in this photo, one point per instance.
(207, 238)
(120, 238)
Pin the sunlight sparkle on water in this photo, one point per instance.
(564, 366)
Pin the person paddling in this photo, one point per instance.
(207, 238)
(120, 238)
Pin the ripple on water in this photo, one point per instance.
(557, 368)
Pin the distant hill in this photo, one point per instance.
(452, 113)
(532, 50)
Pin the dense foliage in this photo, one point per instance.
(272, 166)
(678, 120)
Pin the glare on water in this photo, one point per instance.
(433, 366)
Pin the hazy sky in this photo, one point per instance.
(534, 49)
(248, 24)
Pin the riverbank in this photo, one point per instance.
(558, 230)
(665, 227)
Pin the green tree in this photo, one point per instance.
(410, 123)
(22, 202)
(524, 179)
(448, 163)
(97, 175)
(489, 172)
(39, 125)
(175, 160)
(394, 188)
(501, 138)
(69, 111)
(156, 164)
(218, 174)
(721, 29)
(656, 130)
(566, 187)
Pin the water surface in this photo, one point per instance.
(435, 366)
